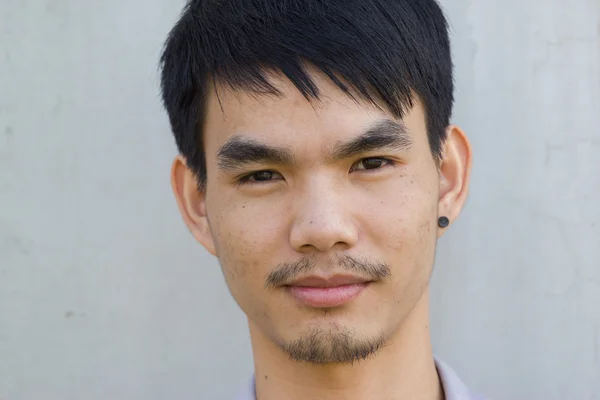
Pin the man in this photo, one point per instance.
(318, 164)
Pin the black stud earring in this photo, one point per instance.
(443, 222)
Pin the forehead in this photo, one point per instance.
(289, 119)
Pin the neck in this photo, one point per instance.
(402, 369)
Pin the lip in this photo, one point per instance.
(320, 292)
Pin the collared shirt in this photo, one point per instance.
(454, 388)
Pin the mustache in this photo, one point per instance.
(286, 272)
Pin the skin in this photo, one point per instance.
(321, 208)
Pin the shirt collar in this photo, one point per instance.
(454, 388)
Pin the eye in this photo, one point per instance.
(371, 163)
(259, 177)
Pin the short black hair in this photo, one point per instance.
(381, 51)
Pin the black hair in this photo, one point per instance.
(381, 51)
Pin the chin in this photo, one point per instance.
(333, 343)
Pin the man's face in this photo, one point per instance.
(294, 193)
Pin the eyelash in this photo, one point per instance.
(246, 179)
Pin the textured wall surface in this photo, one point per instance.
(104, 294)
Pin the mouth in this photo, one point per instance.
(320, 292)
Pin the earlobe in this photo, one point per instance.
(455, 170)
(192, 203)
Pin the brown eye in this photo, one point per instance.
(262, 176)
(259, 177)
(371, 163)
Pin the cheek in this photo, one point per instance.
(247, 252)
(404, 217)
(244, 248)
(404, 234)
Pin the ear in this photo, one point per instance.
(455, 172)
(192, 203)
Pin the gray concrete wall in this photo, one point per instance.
(104, 294)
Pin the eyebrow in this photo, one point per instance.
(385, 134)
(238, 151)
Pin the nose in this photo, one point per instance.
(322, 220)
